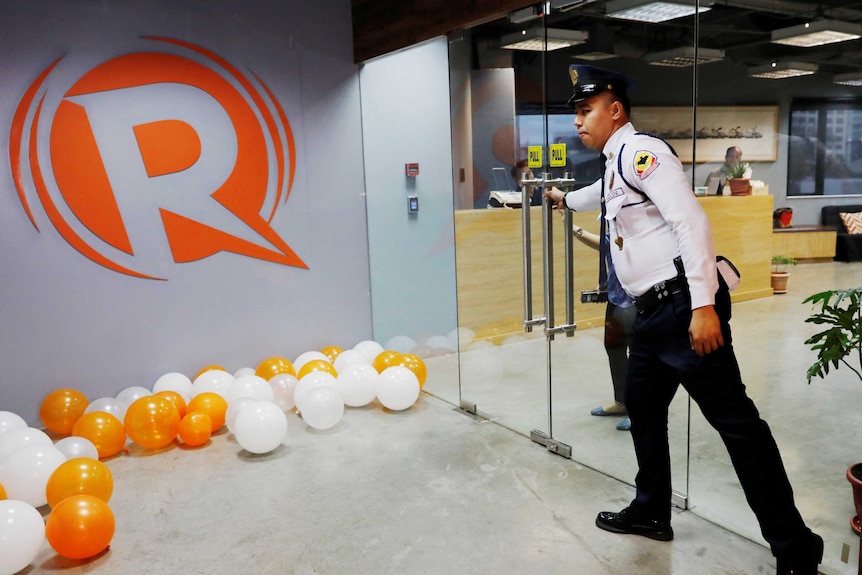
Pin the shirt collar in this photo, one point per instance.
(612, 146)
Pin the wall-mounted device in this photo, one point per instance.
(412, 204)
(411, 170)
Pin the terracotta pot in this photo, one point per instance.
(740, 186)
(854, 476)
(779, 282)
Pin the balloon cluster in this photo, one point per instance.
(253, 403)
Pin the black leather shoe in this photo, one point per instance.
(802, 561)
(627, 522)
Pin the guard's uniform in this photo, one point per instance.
(654, 218)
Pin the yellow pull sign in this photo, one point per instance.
(534, 156)
(558, 155)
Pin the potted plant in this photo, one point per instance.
(739, 184)
(839, 344)
(780, 273)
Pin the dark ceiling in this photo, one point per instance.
(742, 28)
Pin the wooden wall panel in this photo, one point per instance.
(489, 262)
(384, 26)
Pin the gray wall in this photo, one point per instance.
(406, 119)
(66, 321)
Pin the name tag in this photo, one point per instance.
(614, 202)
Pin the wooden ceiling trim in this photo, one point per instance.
(384, 26)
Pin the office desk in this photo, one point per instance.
(489, 262)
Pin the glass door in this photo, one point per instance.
(503, 352)
(519, 270)
(588, 370)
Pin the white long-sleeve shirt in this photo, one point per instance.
(655, 229)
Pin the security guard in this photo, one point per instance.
(662, 250)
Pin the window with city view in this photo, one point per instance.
(825, 149)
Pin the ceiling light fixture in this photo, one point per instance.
(647, 11)
(541, 40)
(684, 56)
(778, 70)
(817, 33)
(593, 56)
(849, 79)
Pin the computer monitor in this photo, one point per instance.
(712, 186)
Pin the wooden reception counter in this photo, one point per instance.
(490, 262)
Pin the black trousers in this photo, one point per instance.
(618, 337)
(660, 359)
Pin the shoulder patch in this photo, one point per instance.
(645, 163)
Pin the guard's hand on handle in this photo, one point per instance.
(557, 196)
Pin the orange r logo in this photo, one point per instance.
(153, 152)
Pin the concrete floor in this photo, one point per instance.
(431, 490)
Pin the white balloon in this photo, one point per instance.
(260, 427)
(108, 405)
(397, 388)
(322, 407)
(173, 381)
(283, 386)
(233, 410)
(25, 473)
(461, 337)
(309, 382)
(74, 446)
(243, 371)
(401, 344)
(369, 349)
(357, 384)
(252, 386)
(129, 395)
(22, 532)
(439, 342)
(15, 439)
(213, 381)
(306, 357)
(349, 357)
(9, 420)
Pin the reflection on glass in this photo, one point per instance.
(825, 152)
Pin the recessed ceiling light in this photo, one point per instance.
(540, 40)
(684, 56)
(849, 79)
(817, 33)
(778, 70)
(648, 11)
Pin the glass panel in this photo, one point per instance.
(412, 253)
(802, 153)
(503, 369)
(843, 163)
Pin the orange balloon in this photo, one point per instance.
(80, 526)
(196, 428)
(104, 430)
(208, 368)
(61, 409)
(152, 421)
(213, 405)
(3, 493)
(316, 365)
(384, 359)
(176, 399)
(272, 366)
(331, 351)
(80, 476)
(415, 364)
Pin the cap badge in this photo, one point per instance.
(574, 74)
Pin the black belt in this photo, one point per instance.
(659, 293)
